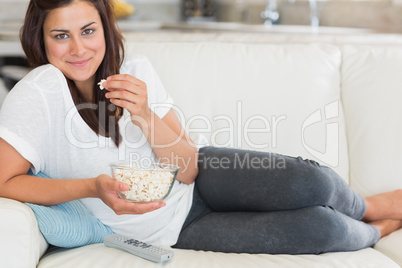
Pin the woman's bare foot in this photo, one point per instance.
(384, 206)
(387, 226)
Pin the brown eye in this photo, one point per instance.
(88, 31)
(61, 36)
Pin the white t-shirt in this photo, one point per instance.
(39, 119)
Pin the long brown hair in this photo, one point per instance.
(104, 119)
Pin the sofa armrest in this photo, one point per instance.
(21, 243)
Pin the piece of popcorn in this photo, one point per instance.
(100, 84)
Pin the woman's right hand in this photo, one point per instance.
(107, 190)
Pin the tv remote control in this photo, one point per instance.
(138, 248)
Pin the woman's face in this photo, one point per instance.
(75, 42)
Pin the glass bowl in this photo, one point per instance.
(146, 184)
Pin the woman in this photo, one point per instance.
(300, 208)
(77, 121)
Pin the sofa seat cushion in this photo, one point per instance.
(391, 246)
(97, 255)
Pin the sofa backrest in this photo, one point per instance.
(266, 97)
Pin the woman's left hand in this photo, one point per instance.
(130, 93)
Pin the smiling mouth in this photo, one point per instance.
(81, 63)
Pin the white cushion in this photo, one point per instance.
(372, 96)
(276, 92)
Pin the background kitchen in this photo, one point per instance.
(198, 20)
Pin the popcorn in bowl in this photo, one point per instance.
(146, 185)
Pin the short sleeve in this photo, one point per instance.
(24, 116)
(140, 67)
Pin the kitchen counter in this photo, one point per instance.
(135, 31)
(9, 31)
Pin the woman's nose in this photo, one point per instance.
(77, 47)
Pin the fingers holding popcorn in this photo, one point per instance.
(128, 92)
(123, 82)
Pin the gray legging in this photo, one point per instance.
(255, 202)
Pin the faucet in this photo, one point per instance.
(314, 19)
(271, 15)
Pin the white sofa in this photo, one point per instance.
(334, 102)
